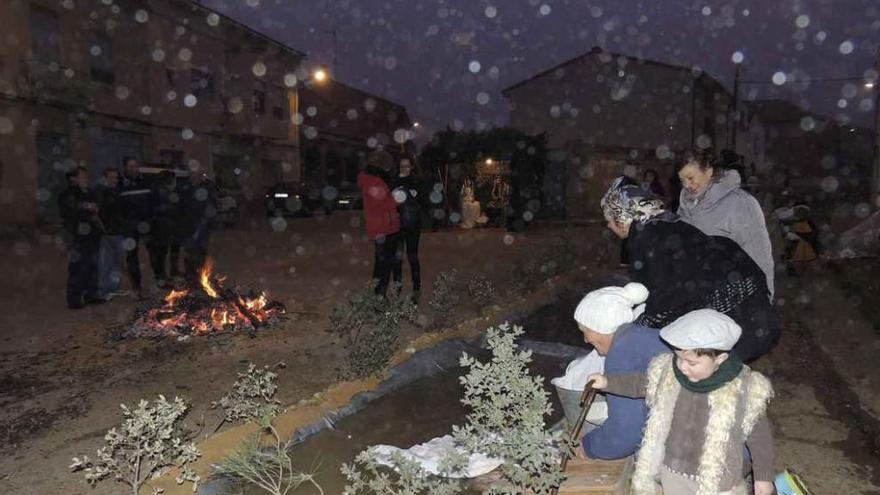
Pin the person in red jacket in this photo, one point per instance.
(380, 215)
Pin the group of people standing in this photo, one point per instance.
(673, 342)
(105, 226)
(394, 202)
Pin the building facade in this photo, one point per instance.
(814, 156)
(170, 82)
(341, 124)
(607, 114)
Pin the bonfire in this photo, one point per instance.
(209, 308)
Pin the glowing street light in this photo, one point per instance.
(869, 84)
(416, 124)
(488, 161)
(320, 75)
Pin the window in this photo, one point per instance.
(45, 35)
(202, 84)
(259, 97)
(101, 57)
(279, 110)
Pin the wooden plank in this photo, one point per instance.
(597, 477)
(593, 477)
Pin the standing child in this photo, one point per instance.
(705, 404)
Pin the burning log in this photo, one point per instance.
(206, 309)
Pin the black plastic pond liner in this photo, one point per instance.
(422, 364)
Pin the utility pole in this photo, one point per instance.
(735, 117)
(335, 34)
(875, 182)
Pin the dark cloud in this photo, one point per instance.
(420, 52)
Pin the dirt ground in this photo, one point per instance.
(61, 379)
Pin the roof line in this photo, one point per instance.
(198, 4)
(598, 51)
(365, 93)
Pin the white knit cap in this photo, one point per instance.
(605, 309)
(702, 329)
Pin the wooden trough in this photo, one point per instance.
(594, 477)
(598, 477)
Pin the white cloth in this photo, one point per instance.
(430, 454)
(576, 373)
(605, 309)
(702, 329)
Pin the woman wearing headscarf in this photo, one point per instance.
(685, 269)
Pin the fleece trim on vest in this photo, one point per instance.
(662, 393)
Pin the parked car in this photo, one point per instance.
(290, 199)
(349, 200)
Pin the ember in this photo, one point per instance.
(209, 308)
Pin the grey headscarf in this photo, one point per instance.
(626, 202)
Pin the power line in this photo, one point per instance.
(815, 80)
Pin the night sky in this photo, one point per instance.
(448, 61)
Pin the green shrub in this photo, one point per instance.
(150, 439)
(268, 468)
(507, 407)
(506, 419)
(252, 395)
(444, 295)
(481, 290)
(556, 257)
(369, 326)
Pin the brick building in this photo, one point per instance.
(815, 156)
(171, 82)
(341, 124)
(603, 111)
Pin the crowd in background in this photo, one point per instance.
(106, 225)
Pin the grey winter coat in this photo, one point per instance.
(725, 209)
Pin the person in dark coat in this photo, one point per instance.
(380, 216)
(624, 251)
(651, 183)
(111, 258)
(138, 203)
(78, 206)
(408, 192)
(198, 205)
(162, 243)
(685, 269)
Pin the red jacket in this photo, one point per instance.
(380, 209)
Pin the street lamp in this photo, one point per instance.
(488, 161)
(320, 75)
(415, 124)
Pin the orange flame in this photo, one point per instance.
(221, 318)
(205, 278)
(174, 320)
(173, 296)
(200, 327)
(255, 305)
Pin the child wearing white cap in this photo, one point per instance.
(705, 404)
(605, 317)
